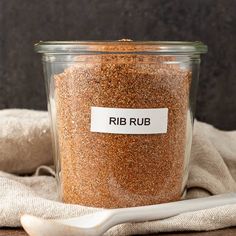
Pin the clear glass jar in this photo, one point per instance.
(122, 118)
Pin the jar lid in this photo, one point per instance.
(121, 46)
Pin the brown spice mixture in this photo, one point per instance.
(121, 170)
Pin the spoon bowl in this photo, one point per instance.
(99, 222)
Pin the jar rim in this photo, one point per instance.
(120, 46)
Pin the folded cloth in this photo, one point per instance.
(212, 171)
(25, 141)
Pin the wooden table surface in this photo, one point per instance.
(224, 232)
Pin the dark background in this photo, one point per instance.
(24, 22)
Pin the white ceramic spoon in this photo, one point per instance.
(98, 223)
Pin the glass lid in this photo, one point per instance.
(120, 46)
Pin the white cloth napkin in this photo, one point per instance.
(25, 141)
(25, 146)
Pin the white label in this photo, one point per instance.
(129, 121)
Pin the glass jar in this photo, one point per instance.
(122, 118)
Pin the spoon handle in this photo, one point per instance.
(165, 210)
